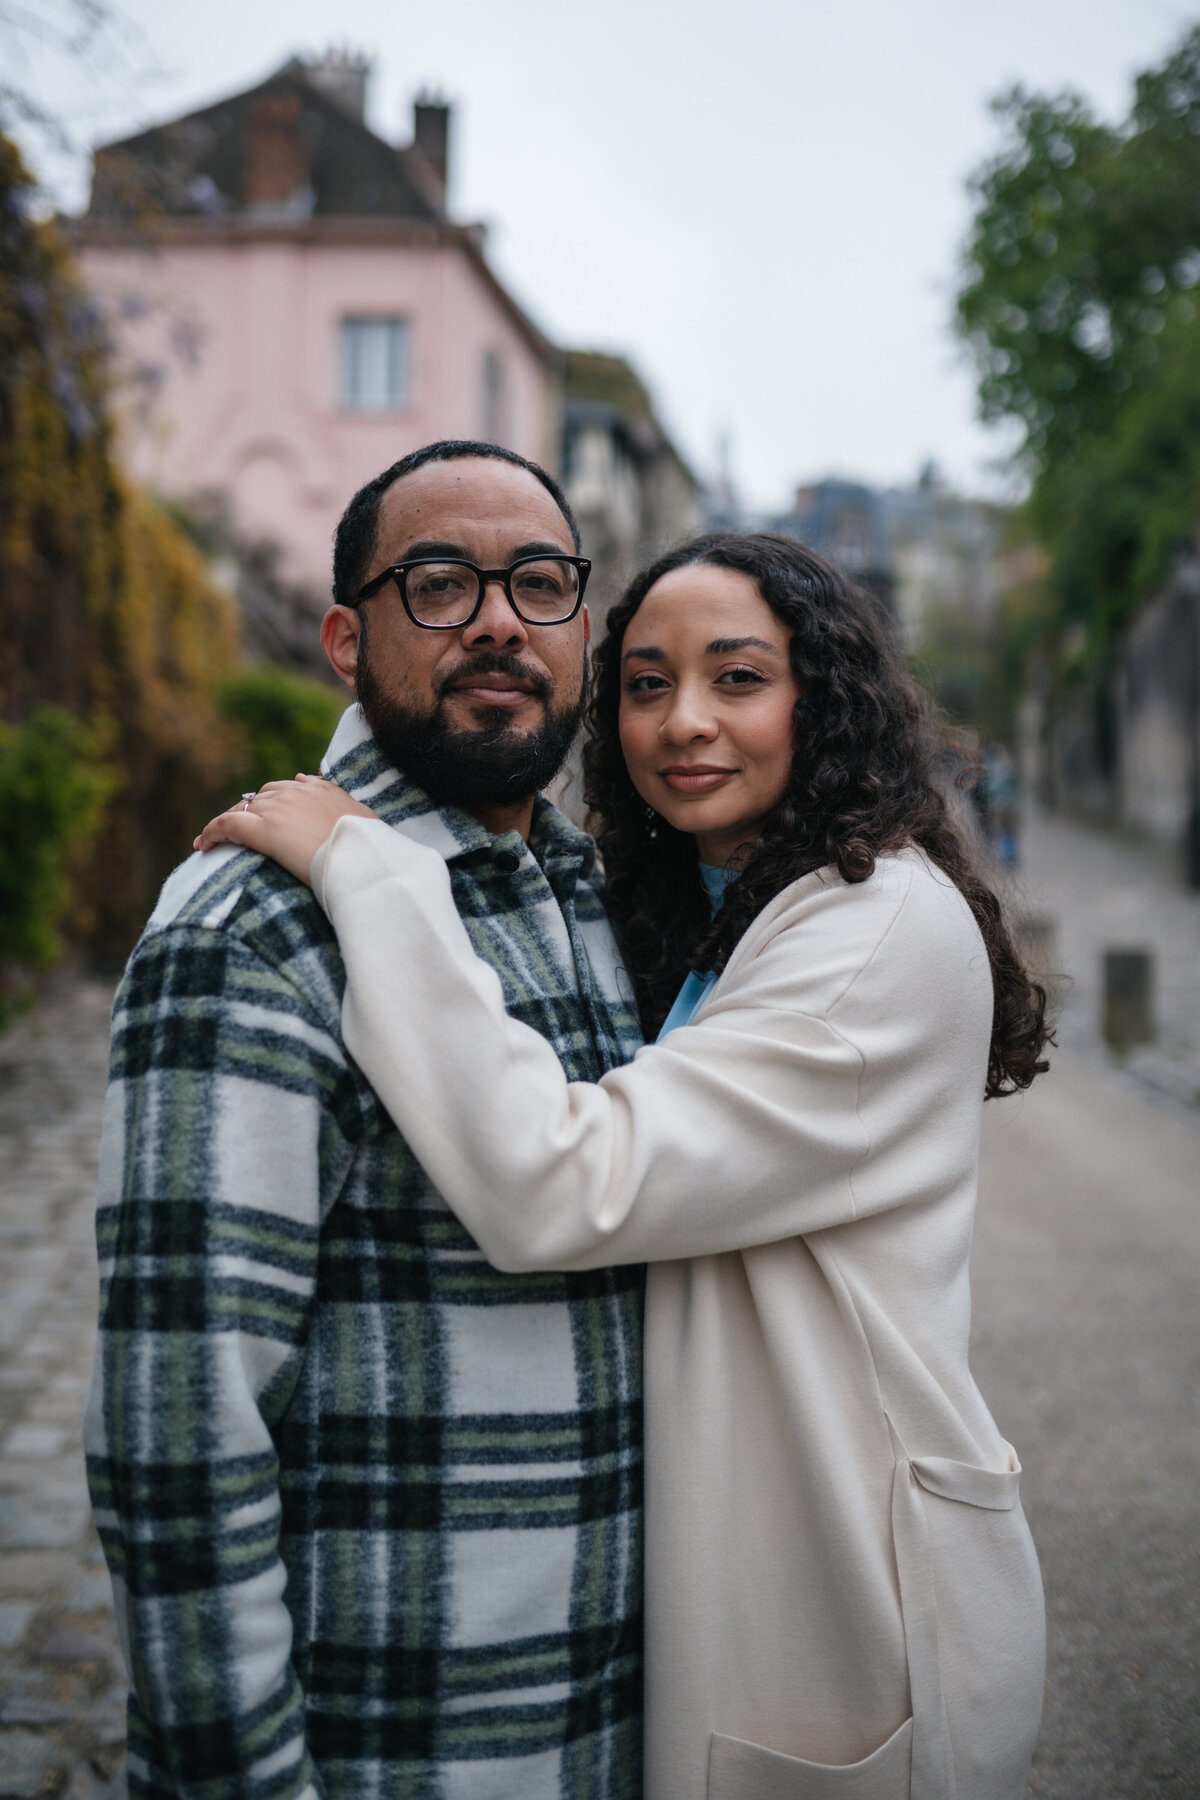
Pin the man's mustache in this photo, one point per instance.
(495, 662)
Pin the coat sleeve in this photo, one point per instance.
(221, 1131)
(740, 1130)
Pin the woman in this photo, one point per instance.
(842, 1595)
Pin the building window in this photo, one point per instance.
(495, 398)
(374, 364)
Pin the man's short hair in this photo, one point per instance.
(354, 541)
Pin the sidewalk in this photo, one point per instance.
(1101, 892)
(62, 1683)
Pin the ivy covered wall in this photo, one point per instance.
(107, 610)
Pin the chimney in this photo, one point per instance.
(275, 159)
(431, 135)
(341, 75)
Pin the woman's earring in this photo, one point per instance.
(651, 822)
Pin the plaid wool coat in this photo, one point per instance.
(372, 1508)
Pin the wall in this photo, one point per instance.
(1157, 702)
(631, 505)
(231, 356)
(1124, 747)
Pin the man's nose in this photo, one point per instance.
(496, 622)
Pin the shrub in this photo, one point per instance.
(284, 722)
(52, 792)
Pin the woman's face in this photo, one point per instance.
(707, 693)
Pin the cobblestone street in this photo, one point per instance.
(62, 1686)
(1087, 1259)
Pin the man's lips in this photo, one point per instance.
(492, 689)
(695, 778)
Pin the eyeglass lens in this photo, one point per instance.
(445, 593)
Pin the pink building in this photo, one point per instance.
(294, 310)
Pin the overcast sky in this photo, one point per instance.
(762, 203)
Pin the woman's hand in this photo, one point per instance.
(287, 820)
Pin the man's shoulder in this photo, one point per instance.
(246, 906)
(232, 890)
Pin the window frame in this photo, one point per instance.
(354, 399)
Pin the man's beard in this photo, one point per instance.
(498, 765)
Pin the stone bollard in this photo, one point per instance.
(1036, 937)
(1128, 998)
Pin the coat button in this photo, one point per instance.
(507, 861)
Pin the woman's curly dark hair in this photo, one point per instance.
(868, 776)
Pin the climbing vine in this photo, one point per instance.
(107, 610)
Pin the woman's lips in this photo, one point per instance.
(695, 781)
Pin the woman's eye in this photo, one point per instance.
(645, 684)
(741, 677)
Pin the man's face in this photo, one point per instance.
(484, 714)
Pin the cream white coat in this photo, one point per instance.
(842, 1597)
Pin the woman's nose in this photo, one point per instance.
(686, 721)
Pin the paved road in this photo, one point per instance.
(1086, 1276)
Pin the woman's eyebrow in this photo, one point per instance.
(726, 646)
(647, 653)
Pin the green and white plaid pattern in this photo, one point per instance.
(371, 1507)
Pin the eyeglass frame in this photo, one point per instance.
(398, 572)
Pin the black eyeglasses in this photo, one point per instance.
(444, 593)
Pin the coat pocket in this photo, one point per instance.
(741, 1771)
(993, 1490)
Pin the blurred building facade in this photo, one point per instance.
(923, 549)
(1121, 744)
(294, 308)
(847, 522)
(631, 490)
(949, 553)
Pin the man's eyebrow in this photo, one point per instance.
(540, 547)
(434, 547)
(727, 646)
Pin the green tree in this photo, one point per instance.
(106, 608)
(1079, 304)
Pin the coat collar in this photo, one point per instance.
(355, 762)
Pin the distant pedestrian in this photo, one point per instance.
(997, 798)
(842, 1594)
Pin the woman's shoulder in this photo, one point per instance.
(903, 881)
(907, 917)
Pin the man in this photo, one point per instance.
(371, 1507)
